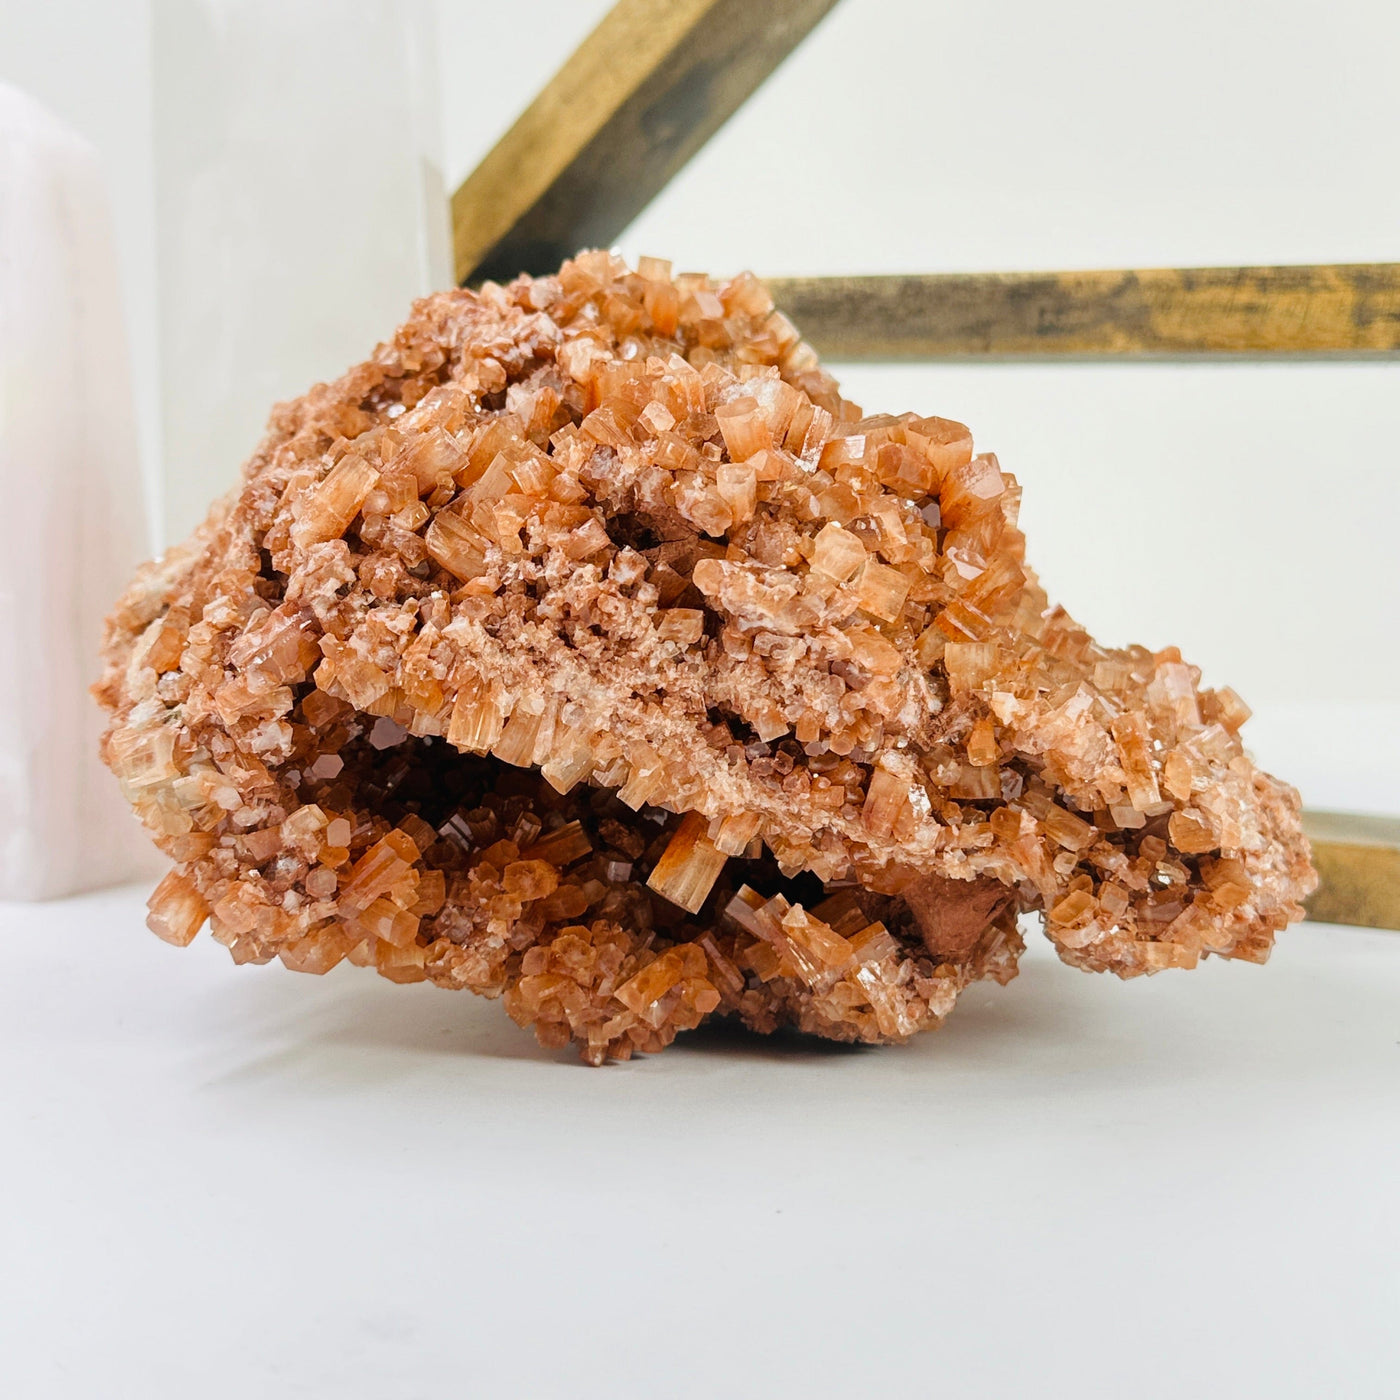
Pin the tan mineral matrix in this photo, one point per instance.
(584, 648)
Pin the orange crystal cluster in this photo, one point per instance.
(585, 648)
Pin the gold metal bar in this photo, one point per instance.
(1342, 310)
(635, 101)
(1358, 860)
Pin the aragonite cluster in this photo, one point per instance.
(584, 648)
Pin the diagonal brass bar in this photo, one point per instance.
(636, 100)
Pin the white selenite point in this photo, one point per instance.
(73, 514)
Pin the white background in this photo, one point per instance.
(224, 1182)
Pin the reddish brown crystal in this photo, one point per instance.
(585, 647)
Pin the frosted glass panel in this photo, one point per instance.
(300, 209)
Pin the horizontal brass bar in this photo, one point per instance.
(1325, 311)
(1358, 861)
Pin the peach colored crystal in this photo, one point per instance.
(585, 648)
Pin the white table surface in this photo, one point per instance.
(222, 1181)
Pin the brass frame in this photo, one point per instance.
(657, 78)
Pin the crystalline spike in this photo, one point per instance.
(837, 553)
(453, 544)
(516, 744)
(327, 511)
(177, 910)
(736, 832)
(652, 982)
(969, 664)
(689, 866)
(561, 847)
(884, 800)
(881, 590)
(378, 870)
(476, 719)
